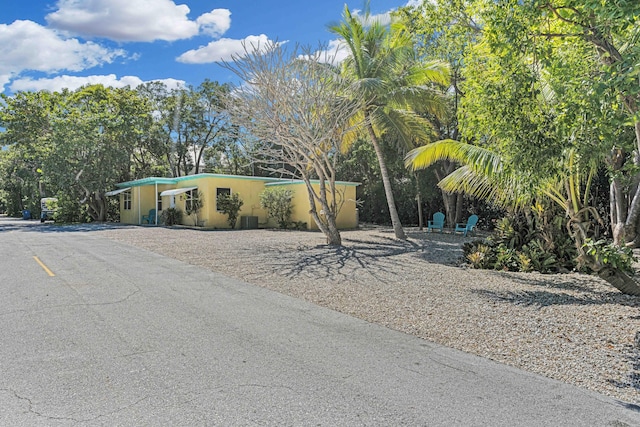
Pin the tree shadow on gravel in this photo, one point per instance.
(542, 299)
(556, 283)
(632, 355)
(552, 280)
(354, 257)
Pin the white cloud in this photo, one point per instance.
(215, 23)
(25, 45)
(382, 18)
(4, 79)
(135, 20)
(335, 53)
(56, 84)
(223, 49)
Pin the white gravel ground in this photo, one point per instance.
(571, 327)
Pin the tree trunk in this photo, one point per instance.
(450, 204)
(452, 201)
(420, 220)
(459, 205)
(419, 202)
(393, 212)
(328, 226)
(615, 277)
(620, 280)
(618, 211)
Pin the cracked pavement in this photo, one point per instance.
(122, 336)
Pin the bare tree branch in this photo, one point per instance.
(296, 109)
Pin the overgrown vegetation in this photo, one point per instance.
(521, 244)
(230, 204)
(171, 216)
(278, 202)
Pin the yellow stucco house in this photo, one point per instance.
(139, 197)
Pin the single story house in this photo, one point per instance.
(139, 197)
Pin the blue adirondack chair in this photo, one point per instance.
(437, 223)
(469, 226)
(151, 218)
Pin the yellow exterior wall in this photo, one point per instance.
(128, 216)
(143, 199)
(347, 216)
(248, 189)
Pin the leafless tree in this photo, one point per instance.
(297, 108)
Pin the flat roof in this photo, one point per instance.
(267, 180)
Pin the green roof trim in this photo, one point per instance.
(147, 181)
(221, 175)
(266, 180)
(313, 181)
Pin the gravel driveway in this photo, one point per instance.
(571, 327)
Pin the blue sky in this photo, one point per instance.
(51, 44)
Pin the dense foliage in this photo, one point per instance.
(229, 205)
(76, 145)
(278, 202)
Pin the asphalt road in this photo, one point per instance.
(97, 333)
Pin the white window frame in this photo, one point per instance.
(225, 190)
(127, 200)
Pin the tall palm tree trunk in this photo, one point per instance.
(395, 219)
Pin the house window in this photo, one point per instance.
(126, 200)
(159, 207)
(191, 198)
(220, 191)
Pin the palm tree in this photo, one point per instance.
(484, 174)
(396, 86)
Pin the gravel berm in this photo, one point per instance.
(571, 327)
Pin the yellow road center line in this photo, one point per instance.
(44, 267)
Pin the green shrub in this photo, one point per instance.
(479, 254)
(299, 225)
(278, 203)
(230, 204)
(69, 210)
(171, 216)
(524, 244)
(610, 255)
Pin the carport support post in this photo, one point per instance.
(157, 213)
(139, 211)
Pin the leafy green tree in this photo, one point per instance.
(209, 119)
(230, 205)
(91, 139)
(441, 31)
(394, 86)
(26, 136)
(75, 145)
(278, 202)
(586, 51)
(188, 121)
(229, 156)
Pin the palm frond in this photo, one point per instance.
(407, 126)
(437, 72)
(482, 161)
(356, 130)
(421, 99)
(505, 190)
